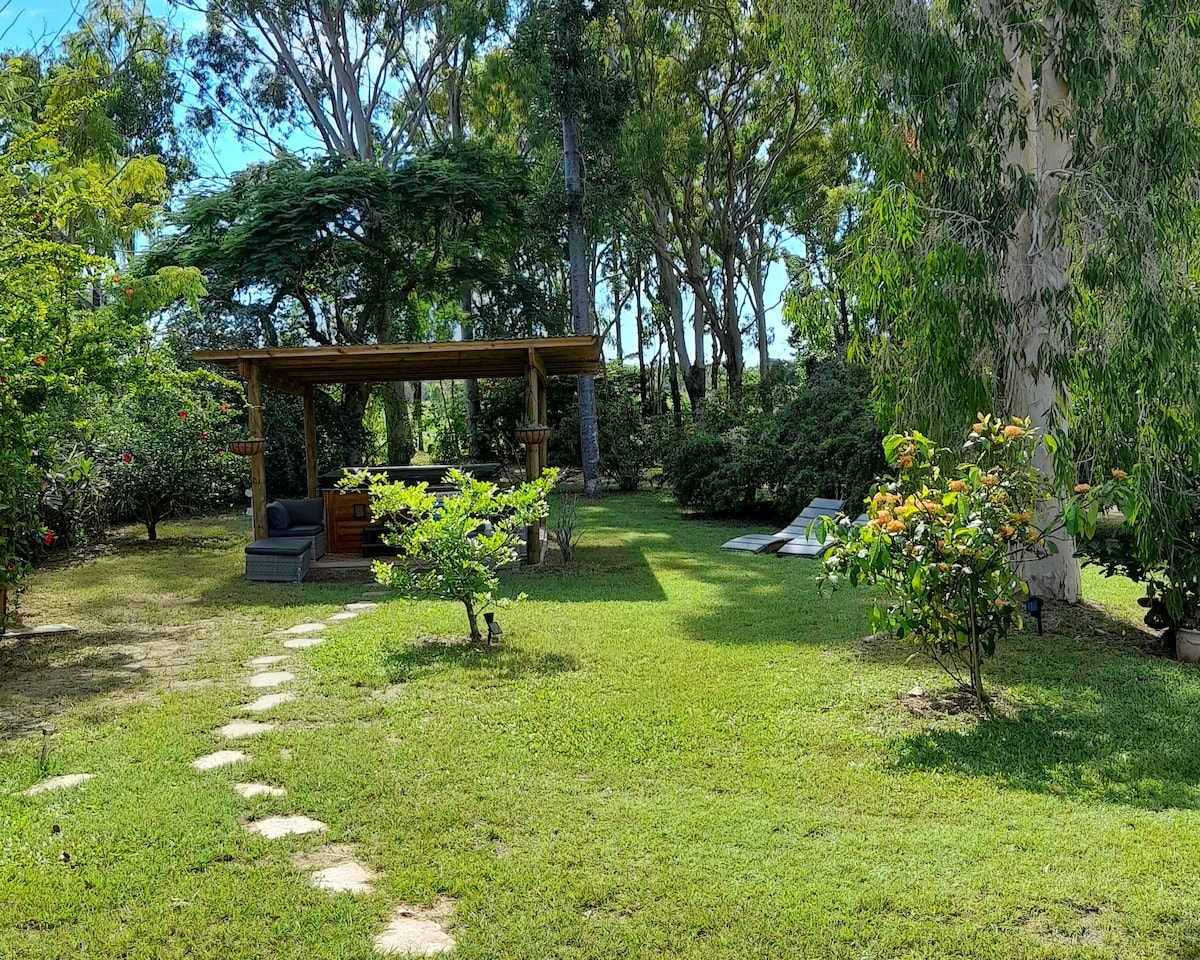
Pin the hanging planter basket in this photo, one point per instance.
(246, 448)
(535, 434)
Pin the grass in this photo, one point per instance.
(675, 752)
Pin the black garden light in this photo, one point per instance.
(1033, 607)
(493, 628)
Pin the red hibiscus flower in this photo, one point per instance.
(127, 458)
(49, 537)
(182, 414)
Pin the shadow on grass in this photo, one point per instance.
(1094, 717)
(599, 573)
(41, 678)
(499, 662)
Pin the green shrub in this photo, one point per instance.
(167, 455)
(944, 544)
(821, 441)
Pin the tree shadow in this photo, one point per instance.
(599, 573)
(1092, 715)
(43, 677)
(431, 656)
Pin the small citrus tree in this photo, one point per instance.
(947, 544)
(450, 546)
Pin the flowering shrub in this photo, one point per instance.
(167, 454)
(449, 547)
(946, 544)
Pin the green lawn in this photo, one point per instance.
(676, 752)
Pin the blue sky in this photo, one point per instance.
(25, 23)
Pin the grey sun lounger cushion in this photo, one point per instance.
(811, 547)
(765, 542)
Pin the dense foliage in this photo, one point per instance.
(819, 439)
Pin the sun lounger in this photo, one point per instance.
(769, 543)
(811, 547)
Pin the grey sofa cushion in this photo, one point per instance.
(296, 530)
(278, 517)
(280, 547)
(304, 512)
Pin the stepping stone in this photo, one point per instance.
(266, 661)
(59, 783)
(303, 643)
(362, 605)
(275, 827)
(343, 615)
(244, 728)
(222, 758)
(261, 680)
(306, 628)
(349, 876)
(409, 935)
(267, 701)
(249, 790)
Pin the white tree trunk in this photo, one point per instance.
(1036, 275)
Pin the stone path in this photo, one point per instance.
(271, 679)
(222, 758)
(268, 701)
(249, 790)
(306, 628)
(245, 728)
(412, 931)
(62, 782)
(275, 827)
(303, 643)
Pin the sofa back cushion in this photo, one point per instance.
(304, 512)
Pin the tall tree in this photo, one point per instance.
(1020, 223)
(571, 21)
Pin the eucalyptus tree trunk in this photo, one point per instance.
(1036, 267)
(466, 299)
(581, 296)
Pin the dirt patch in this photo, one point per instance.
(952, 702)
(1084, 930)
(319, 858)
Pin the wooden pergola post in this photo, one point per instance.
(533, 454)
(258, 463)
(310, 441)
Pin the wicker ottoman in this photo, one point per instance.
(279, 559)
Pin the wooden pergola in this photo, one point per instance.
(299, 370)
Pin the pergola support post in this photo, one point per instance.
(533, 456)
(258, 463)
(310, 442)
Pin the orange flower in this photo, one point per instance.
(1012, 431)
(1083, 488)
(1119, 474)
(896, 526)
(1007, 532)
(977, 428)
(40, 360)
(989, 480)
(958, 486)
(883, 517)
(905, 462)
